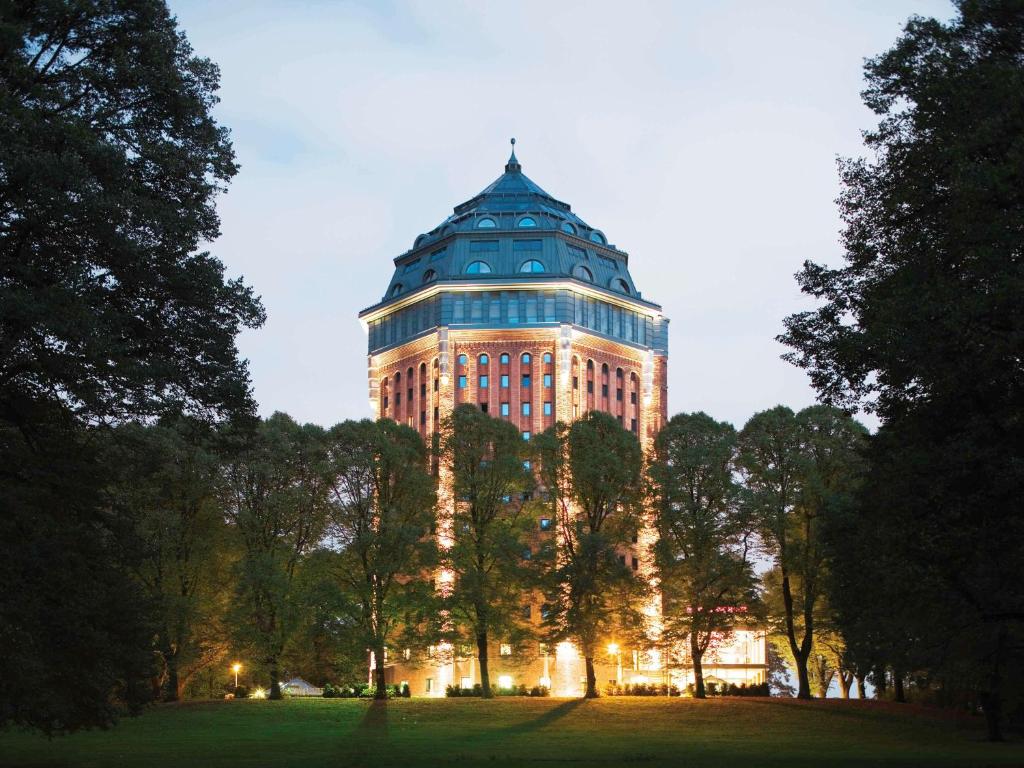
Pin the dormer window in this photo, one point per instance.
(583, 273)
(396, 289)
(429, 275)
(568, 228)
(486, 223)
(621, 285)
(532, 266)
(478, 268)
(526, 222)
(597, 237)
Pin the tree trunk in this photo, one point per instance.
(799, 658)
(878, 677)
(380, 687)
(897, 684)
(485, 672)
(861, 691)
(845, 682)
(698, 668)
(992, 699)
(591, 692)
(172, 687)
(275, 681)
(802, 678)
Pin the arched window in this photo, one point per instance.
(504, 358)
(583, 273)
(621, 285)
(532, 266)
(396, 289)
(484, 360)
(547, 357)
(568, 228)
(526, 358)
(429, 275)
(527, 221)
(463, 359)
(478, 268)
(398, 379)
(486, 223)
(597, 237)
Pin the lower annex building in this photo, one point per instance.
(515, 304)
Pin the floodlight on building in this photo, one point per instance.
(505, 681)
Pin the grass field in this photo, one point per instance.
(507, 732)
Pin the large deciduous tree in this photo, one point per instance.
(489, 464)
(179, 544)
(798, 470)
(382, 507)
(110, 162)
(275, 492)
(591, 470)
(924, 324)
(704, 537)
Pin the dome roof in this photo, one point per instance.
(512, 230)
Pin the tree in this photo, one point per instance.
(167, 488)
(798, 470)
(275, 492)
(923, 324)
(489, 464)
(704, 573)
(592, 472)
(110, 162)
(382, 507)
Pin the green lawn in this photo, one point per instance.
(466, 732)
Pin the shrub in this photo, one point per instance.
(241, 692)
(641, 689)
(540, 690)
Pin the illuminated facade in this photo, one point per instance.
(516, 305)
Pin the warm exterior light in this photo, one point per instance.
(444, 379)
(236, 668)
(565, 652)
(613, 648)
(259, 693)
(545, 682)
(639, 680)
(505, 681)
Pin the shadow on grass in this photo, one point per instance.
(553, 715)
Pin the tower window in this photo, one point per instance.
(504, 381)
(396, 289)
(621, 285)
(582, 273)
(504, 409)
(532, 266)
(504, 358)
(478, 268)
(526, 409)
(547, 409)
(484, 360)
(547, 358)
(463, 359)
(486, 223)
(483, 382)
(462, 382)
(547, 380)
(429, 275)
(527, 221)
(568, 228)
(597, 237)
(526, 358)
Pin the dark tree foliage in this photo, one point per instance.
(109, 166)
(592, 472)
(703, 548)
(924, 324)
(489, 530)
(382, 506)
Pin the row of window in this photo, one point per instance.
(526, 358)
(528, 222)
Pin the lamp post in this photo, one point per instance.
(236, 668)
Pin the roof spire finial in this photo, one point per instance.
(513, 165)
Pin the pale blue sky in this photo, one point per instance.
(700, 137)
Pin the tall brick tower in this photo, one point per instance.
(515, 304)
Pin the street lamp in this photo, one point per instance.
(236, 668)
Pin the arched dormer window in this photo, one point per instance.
(621, 285)
(486, 223)
(429, 275)
(583, 273)
(478, 268)
(532, 266)
(396, 289)
(597, 237)
(568, 228)
(526, 222)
